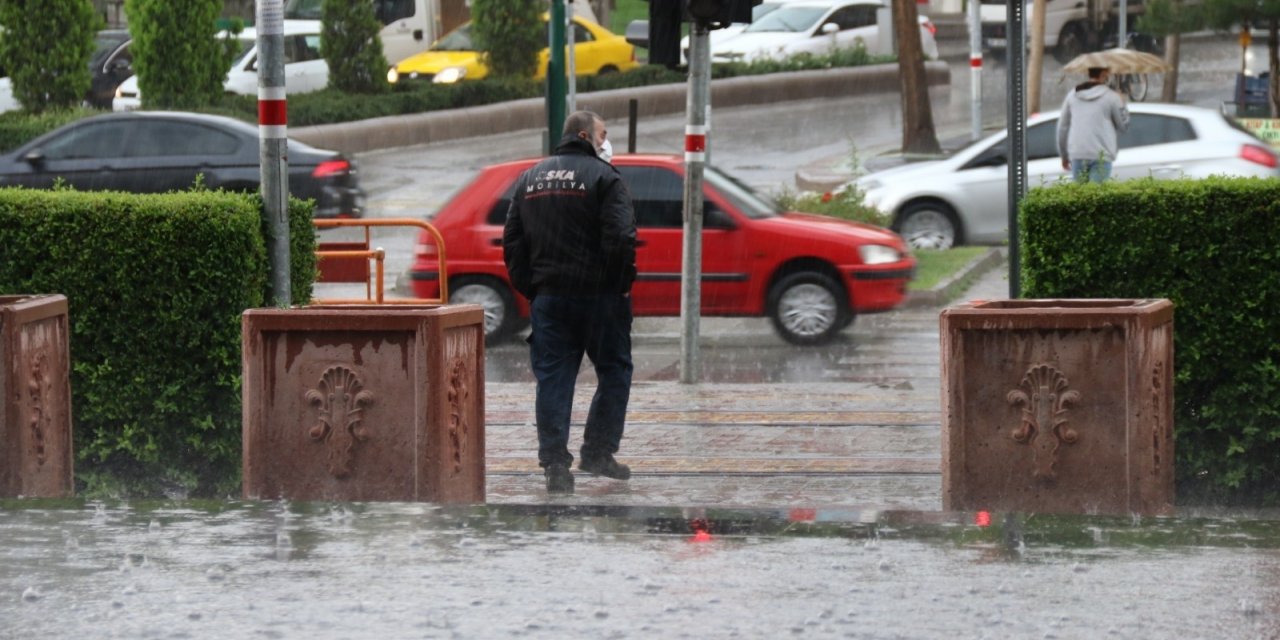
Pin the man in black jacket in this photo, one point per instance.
(570, 248)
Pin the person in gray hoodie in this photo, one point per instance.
(1092, 116)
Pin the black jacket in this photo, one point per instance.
(571, 229)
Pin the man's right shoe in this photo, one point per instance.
(605, 466)
(559, 478)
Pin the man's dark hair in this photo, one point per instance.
(581, 121)
(1096, 72)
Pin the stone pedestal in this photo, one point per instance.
(35, 411)
(1058, 406)
(364, 403)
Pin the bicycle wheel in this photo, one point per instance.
(1137, 87)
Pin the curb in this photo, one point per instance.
(530, 113)
(947, 290)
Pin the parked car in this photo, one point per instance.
(715, 36)
(154, 152)
(810, 274)
(816, 27)
(963, 199)
(454, 57)
(304, 68)
(109, 65)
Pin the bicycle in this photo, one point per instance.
(1135, 85)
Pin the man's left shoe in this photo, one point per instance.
(605, 466)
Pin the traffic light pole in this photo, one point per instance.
(1016, 49)
(695, 146)
(273, 141)
(556, 97)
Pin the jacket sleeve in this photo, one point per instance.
(618, 230)
(1120, 115)
(1064, 127)
(515, 248)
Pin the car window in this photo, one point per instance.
(1042, 140)
(389, 11)
(301, 48)
(174, 138)
(105, 139)
(748, 202)
(498, 213)
(787, 20)
(580, 34)
(1148, 129)
(657, 196)
(457, 40)
(853, 17)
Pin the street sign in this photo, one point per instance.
(1266, 128)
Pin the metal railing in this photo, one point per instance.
(350, 262)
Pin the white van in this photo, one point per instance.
(408, 26)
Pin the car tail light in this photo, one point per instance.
(1259, 155)
(930, 27)
(331, 168)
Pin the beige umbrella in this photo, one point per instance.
(1118, 61)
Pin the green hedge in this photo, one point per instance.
(1213, 248)
(329, 105)
(156, 286)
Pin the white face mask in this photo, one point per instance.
(606, 151)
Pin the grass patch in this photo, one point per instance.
(932, 266)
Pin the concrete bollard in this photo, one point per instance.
(35, 411)
(364, 403)
(1059, 406)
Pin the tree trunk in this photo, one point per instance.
(918, 133)
(1172, 51)
(1035, 64)
(1273, 53)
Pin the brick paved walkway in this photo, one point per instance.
(869, 440)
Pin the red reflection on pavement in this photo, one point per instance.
(802, 515)
(982, 518)
(701, 531)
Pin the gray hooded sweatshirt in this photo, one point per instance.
(1091, 117)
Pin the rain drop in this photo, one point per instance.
(1079, 568)
(31, 594)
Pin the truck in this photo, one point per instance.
(1071, 27)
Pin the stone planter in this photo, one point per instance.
(364, 403)
(1058, 406)
(35, 411)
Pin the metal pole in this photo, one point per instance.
(1016, 49)
(1122, 38)
(556, 99)
(695, 145)
(273, 141)
(571, 38)
(975, 70)
(633, 111)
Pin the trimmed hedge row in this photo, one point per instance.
(329, 105)
(1213, 248)
(156, 286)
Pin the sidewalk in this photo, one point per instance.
(872, 444)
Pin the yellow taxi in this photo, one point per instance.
(454, 57)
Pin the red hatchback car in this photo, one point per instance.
(810, 274)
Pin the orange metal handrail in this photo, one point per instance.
(378, 256)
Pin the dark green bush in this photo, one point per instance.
(156, 285)
(350, 45)
(849, 204)
(46, 48)
(180, 61)
(509, 34)
(1212, 247)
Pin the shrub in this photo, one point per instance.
(180, 61)
(156, 285)
(350, 44)
(509, 34)
(847, 205)
(1209, 246)
(46, 48)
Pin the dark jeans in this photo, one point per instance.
(565, 328)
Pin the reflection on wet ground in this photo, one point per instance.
(282, 570)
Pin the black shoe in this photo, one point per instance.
(559, 478)
(605, 466)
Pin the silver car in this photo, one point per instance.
(964, 198)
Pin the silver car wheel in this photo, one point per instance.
(495, 308)
(927, 228)
(807, 310)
